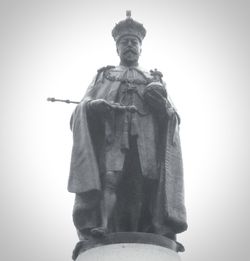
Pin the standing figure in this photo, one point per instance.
(126, 165)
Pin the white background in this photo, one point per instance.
(53, 48)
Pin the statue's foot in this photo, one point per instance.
(99, 231)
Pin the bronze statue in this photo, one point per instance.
(126, 165)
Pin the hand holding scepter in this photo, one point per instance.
(113, 106)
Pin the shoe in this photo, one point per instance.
(99, 231)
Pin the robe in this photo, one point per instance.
(93, 135)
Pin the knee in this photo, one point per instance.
(112, 180)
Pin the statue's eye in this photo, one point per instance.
(124, 42)
(135, 42)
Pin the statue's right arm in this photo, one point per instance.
(99, 106)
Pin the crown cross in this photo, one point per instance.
(128, 14)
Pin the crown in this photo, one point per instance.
(128, 27)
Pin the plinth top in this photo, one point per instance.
(128, 239)
(129, 251)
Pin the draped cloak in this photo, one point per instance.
(86, 168)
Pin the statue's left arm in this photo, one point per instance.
(157, 98)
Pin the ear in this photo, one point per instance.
(117, 49)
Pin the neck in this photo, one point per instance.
(129, 64)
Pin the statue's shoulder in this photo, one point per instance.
(101, 72)
(116, 70)
(115, 73)
(110, 72)
(105, 68)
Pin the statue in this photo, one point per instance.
(126, 164)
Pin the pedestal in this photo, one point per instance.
(128, 246)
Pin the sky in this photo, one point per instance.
(54, 48)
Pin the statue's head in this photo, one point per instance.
(128, 35)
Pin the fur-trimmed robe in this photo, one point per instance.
(86, 168)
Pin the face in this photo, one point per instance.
(129, 49)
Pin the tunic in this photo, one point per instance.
(141, 125)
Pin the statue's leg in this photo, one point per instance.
(111, 182)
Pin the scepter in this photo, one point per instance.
(59, 100)
(114, 106)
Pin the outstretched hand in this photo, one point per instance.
(100, 106)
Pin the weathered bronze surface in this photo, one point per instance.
(126, 165)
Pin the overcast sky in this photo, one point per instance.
(54, 48)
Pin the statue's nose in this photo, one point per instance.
(129, 43)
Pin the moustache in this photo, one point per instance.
(130, 50)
